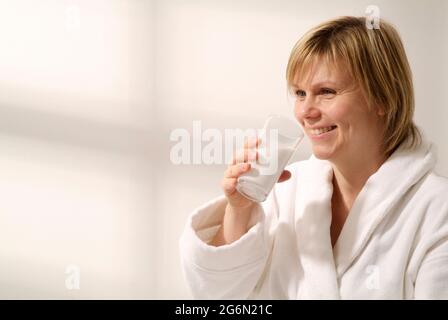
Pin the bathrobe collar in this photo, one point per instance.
(323, 265)
(382, 191)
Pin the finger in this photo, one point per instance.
(235, 171)
(284, 176)
(229, 185)
(245, 155)
(252, 142)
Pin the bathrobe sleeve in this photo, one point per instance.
(229, 271)
(432, 277)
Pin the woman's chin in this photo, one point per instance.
(322, 153)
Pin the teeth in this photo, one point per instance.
(322, 130)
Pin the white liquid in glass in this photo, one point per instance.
(256, 184)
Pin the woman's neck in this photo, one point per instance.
(348, 180)
(349, 177)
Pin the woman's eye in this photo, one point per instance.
(326, 91)
(300, 93)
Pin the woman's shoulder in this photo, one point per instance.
(432, 195)
(431, 205)
(435, 187)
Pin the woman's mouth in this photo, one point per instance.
(322, 130)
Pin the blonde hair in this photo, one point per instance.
(376, 60)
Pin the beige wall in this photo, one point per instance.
(87, 107)
(76, 164)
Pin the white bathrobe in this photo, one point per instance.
(393, 245)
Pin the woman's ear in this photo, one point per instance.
(380, 111)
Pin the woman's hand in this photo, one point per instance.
(240, 164)
(238, 209)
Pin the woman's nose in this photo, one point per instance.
(307, 109)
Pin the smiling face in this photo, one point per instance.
(335, 114)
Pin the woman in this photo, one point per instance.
(364, 218)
